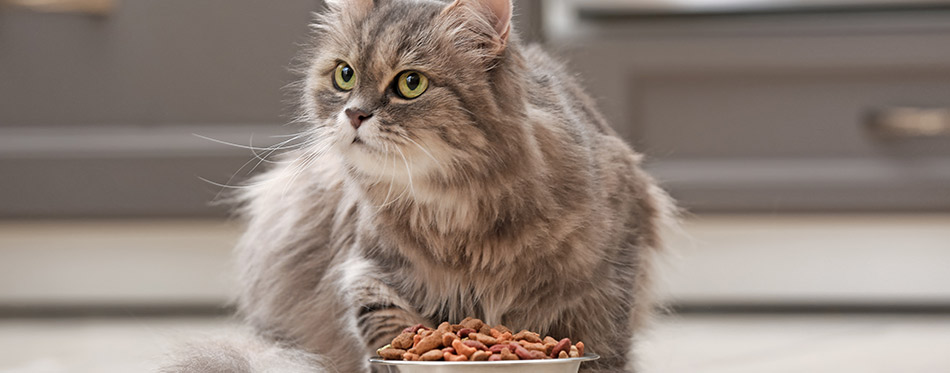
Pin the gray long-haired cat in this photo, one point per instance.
(449, 172)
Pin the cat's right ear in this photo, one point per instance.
(494, 13)
(358, 8)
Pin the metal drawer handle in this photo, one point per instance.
(910, 122)
(80, 6)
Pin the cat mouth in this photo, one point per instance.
(357, 140)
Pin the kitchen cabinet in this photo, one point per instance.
(776, 111)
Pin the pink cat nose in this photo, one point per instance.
(357, 116)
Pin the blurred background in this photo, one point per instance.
(809, 141)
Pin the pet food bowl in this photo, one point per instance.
(569, 365)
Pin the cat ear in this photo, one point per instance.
(358, 7)
(498, 12)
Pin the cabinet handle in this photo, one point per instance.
(78, 6)
(900, 122)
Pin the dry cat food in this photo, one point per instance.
(473, 340)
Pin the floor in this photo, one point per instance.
(686, 343)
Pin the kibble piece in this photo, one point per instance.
(476, 344)
(409, 356)
(403, 341)
(413, 329)
(391, 353)
(562, 355)
(447, 338)
(452, 357)
(532, 346)
(432, 341)
(432, 355)
(462, 349)
(580, 348)
(483, 338)
(481, 355)
(502, 328)
(501, 346)
(506, 354)
(523, 353)
(464, 332)
(471, 323)
(527, 336)
(562, 346)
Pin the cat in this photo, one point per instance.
(447, 171)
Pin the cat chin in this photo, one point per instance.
(375, 166)
(400, 167)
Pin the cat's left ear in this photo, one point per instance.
(497, 12)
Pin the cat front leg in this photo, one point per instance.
(380, 313)
(379, 323)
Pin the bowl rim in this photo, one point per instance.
(586, 357)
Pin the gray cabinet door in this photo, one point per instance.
(98, 114)
(777, 112)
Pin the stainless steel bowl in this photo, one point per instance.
(571, 365)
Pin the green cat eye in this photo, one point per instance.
(411, 84)
(344, 77)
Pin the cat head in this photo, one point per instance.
(416, 89)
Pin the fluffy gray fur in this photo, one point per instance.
(500, 193)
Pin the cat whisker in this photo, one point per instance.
(289, 135)
(305, 159)
(260, 158)
(229, 143)
(379, 176)
(308, 159)
(270, 150)
(406, 190)
(409, 187)
(227, 183)
(398, 198)
(408, 170)
(282, 147)
(392, 178)
(293, 177)
(437, 163)
(391, 181)
(246, 186)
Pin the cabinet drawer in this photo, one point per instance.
(807, 142)
(805, 115)
(781, 112)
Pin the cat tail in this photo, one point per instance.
(245, 353)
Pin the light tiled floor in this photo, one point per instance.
(711, 344)
(838, 343)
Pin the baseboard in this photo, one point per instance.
(717, 263)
